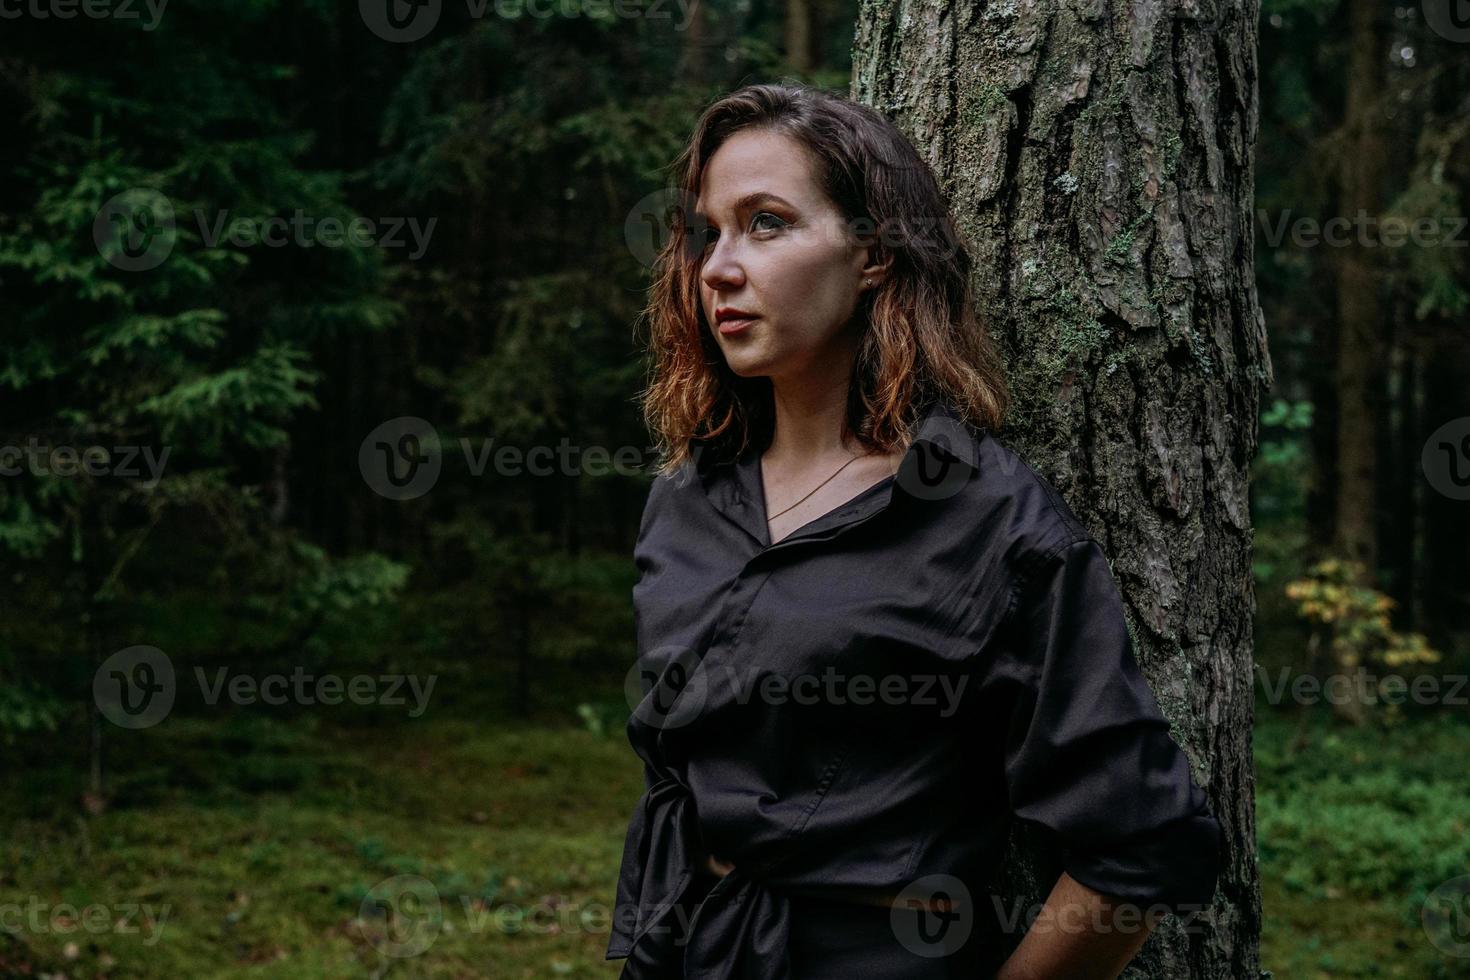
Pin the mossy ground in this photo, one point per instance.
(262, 837)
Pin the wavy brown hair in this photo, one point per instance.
(922, 337)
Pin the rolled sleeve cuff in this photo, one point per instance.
(1175, 866)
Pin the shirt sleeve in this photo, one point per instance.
(1087, 751)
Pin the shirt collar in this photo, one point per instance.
(734, 487)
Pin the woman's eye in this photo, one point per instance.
(755, 222)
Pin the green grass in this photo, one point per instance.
(1355, 827)
(268, 883)
(255, 841)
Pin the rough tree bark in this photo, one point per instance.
(1099, 158)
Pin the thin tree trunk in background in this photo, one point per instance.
(1099, 157)
(1360, 316)
(1415, 486)
(1322, 490)
(525, 658)
(799, 35)
(1397, 429)
(96, 620)
(280, 483)
(695, 48)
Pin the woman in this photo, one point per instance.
(869, 634)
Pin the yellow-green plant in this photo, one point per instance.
(1356, 617)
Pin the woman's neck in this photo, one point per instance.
(808, 424)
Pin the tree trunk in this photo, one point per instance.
(1099, 159)
(694, 49)
(1360, 348)
(799, 35)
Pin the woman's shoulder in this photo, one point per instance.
(678, 492)
(1010, 502)
(687, 478)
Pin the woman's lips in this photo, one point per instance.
(734, 326)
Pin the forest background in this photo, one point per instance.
(244, 245)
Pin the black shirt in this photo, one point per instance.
(869, 701)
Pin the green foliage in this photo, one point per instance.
(1437, 271)
(25, 708)
(345, 584)
(1282, 476)
(1356, 617)
(1371, 810)
(1371, 832)
(203, 359)
(604, 718)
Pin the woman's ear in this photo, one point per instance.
(879, 264)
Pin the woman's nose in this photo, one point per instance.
(721, 268)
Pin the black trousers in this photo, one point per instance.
(833, 940)
(840, 940)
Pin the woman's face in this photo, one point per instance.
(778, 248)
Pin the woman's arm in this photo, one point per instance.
(1088, 754)
(1080, 934)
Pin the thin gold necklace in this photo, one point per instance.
(822, 484)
